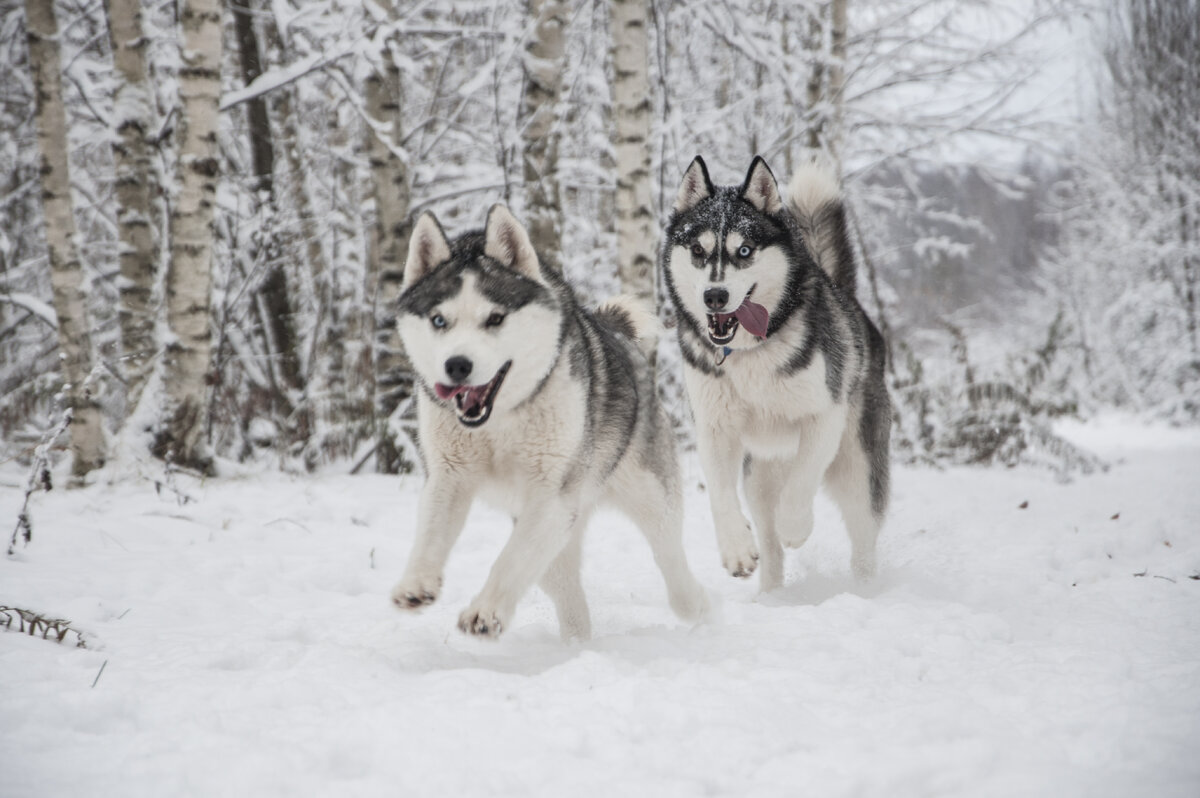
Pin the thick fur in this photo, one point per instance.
(575, 422)
(807, 403)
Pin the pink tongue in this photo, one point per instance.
(753, 317)
(474, 393)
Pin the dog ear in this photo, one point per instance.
(695, 186)
(760, 189)
(427, 248)
(506, 240)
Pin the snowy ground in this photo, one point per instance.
(249, 648)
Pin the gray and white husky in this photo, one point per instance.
(784, 371)
(540, 406)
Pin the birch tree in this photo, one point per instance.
(182, 436)
(66, 269)
(136, 185)
(637, 228)
(275, 307)
(543, 65)
(387, 243)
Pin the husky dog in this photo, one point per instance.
(784, 371)
(526, 398)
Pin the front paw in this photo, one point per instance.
(739, 554)
(415, 592)
(481, 621)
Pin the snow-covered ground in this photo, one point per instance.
(1024, 637)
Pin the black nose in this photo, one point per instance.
(715, 298)
(458, 368)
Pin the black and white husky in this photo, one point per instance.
(784, 371)
(540, 406)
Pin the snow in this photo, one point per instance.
(1024, 637)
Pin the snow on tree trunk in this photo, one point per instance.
(539, 132)
(182, 437)
(387, 246)
(825, 89)
(66, 269)
(136, 187)
(636, 225)
(835, 96)
(278, 317)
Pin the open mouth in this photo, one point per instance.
(473, 403)
(751, 315)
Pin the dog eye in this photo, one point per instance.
(745, 251)
(438, 321)
(494, 320)
(697, 251)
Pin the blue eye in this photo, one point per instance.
(438, 321)
(745, 251)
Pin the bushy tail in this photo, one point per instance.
(815, 199)
(633, 318)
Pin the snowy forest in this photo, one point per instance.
(204, 206)
(208, 462)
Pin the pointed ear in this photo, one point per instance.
(760, 189)
(695, 186)
(506, 241)
(427, 248)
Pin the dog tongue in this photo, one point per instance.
(753, 317)
(473, 394)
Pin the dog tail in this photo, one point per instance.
(815, 200)
(633, 318)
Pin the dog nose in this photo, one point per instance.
(715, 298)
(458, 368)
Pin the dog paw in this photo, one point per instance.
(480, 622)
(739, 554)
(411, 594)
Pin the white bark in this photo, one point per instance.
(136, 182)
(837, 80)
(387, 245)
(66, 270)
(539, 132)
(636, 226)
(189, 276)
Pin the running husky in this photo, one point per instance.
(542, 407)
(783, 368)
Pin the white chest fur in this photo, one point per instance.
(767, 409)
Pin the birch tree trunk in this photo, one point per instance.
(187, 362)
(825, 90)
(814, 46)
(387, 247)
(136, 187)
(636, 227)
(835, 96)
(66, 270)
(539, 132)
(277, 318)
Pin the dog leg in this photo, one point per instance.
(849, 483)
(441, 513)
(562, 583)
(539, 535)
(764, 481)
(657, 509)
(818, 445)
(721, 457)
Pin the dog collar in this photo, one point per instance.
(720, 355)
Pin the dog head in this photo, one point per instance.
(726, 255)
(478, 319)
